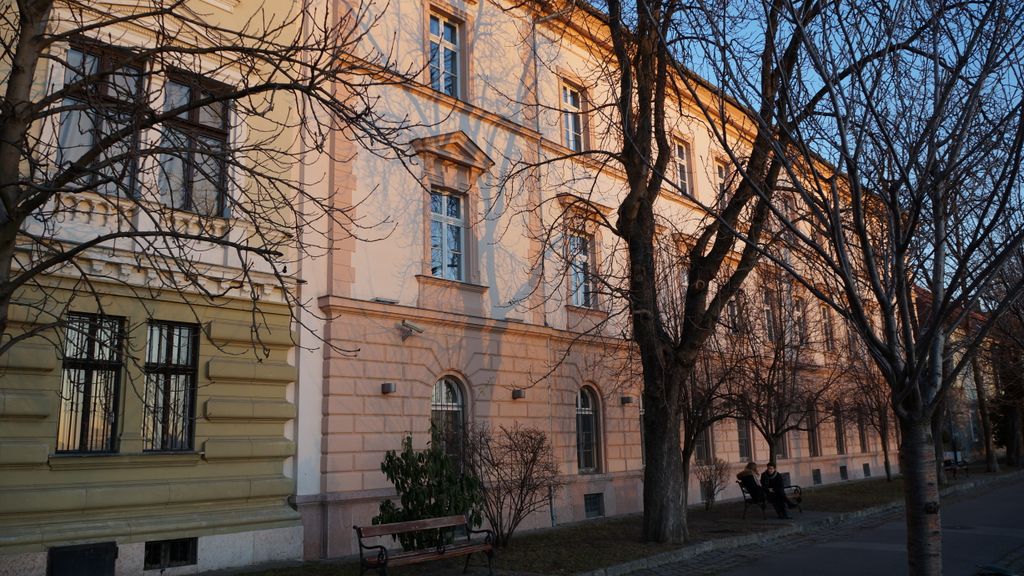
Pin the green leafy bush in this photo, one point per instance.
(430, 484)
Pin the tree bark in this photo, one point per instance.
(921, 497)
(991, 464)
(664, 514)
(885, 448)
(937, 448)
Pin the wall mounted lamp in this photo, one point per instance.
(387, 388)
(626, 400)
(518, 393)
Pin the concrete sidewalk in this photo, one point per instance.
(801, 526)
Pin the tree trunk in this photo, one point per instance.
(937, 447)
(991, 464)
(771, 450)
(664, 514)
(685, 460)
(885, 448)
(1015, 441)
(921, 497)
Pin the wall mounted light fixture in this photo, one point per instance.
(626, 400)
(518, 393)
(387, 388)
(408, 329)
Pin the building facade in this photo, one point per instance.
(487, 296)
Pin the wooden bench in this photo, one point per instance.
(448, 548)
(950, 466)
(793, 492)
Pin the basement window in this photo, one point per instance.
(161, 554)
(593, 505)
(816, 476)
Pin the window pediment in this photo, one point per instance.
(454, 147)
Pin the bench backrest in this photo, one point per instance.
(410, 526)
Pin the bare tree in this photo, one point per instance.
(915, 130)
(519, 474)
(161, 142)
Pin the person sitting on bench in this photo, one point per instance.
(775, 490)
(748, 479)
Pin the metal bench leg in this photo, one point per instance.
(490, 556)
(466, 567)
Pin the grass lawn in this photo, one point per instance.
(593, 544)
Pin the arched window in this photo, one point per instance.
(447, 415)
(587, 445)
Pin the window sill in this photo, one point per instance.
(134, 460)
(580, 319)
(450, 296)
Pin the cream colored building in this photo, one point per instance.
(463, 308)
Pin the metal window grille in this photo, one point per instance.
(586, 431)
(90, 388)
(171, 371)
(447, 415)
(867, 470)
(844, 473)
(162, 554)
(816, 476)
(593, 505)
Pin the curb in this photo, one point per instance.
(770, 536)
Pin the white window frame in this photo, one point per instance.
(588, 410)
(572, 116)
(580, 246)
(437, 42)
(445, 221)
(681, 156)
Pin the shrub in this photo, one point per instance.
(429, 485)
(713, 478)
(519, 473)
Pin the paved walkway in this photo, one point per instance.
(978, 530)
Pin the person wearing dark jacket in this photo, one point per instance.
(748, 479)
(775, 490)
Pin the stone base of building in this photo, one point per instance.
(214, 552)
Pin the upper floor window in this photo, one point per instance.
(724, 174)
(444, 55)
(102, 94)
(171, 369)
(192, 169)
(782, 447)
(572, 117)
(447, 415)
(581, 271)
(813, 438)
(800, 319)
(828, 332)
(447, 235)
(90, 386)
(682, 162)
(587, 446)
(862, 433)
(771, 327)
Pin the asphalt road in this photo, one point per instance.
(977, 530)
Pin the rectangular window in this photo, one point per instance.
(813, 439)
(90, 388)
(572, 117)
(844, 473)
(581, 271)
(840, 432)
(745, 441)
(782, 448)
(800, 319)
(771, 327)
(447, 235)
(862, 434)
(445, 57)
(102, 94)
(828, 333)
(162, 554)
(192, 174)
(171, 370)
(593, 505)
(867, 470)
(816, 476)
(703, 451)
(682, 161)
(725, 176)
(852, 341)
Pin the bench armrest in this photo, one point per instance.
(382, 552)
(489, 538)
